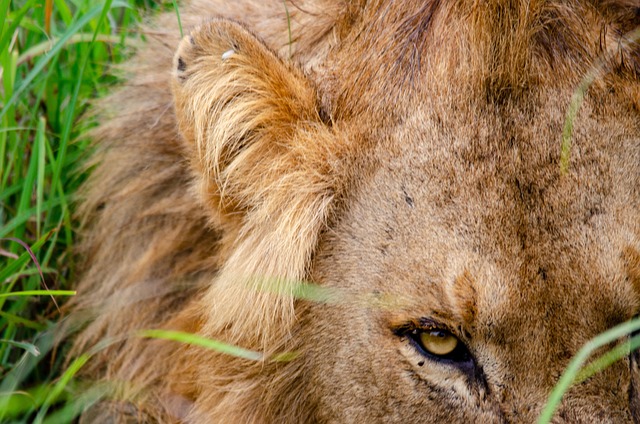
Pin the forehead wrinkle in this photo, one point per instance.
(469, 290)
(462, 297)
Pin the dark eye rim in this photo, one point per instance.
(460, 357)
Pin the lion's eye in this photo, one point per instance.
(433, 341)
(438, 342)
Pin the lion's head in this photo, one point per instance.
(429, 207)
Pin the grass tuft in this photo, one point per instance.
(54, 58)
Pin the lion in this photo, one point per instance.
(406, 211)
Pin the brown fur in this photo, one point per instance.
(405, 157)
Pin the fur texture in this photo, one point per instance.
(404, 158)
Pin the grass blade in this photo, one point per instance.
(39, 293)
(55, 392)
(17, 19)
(32, 349)
(175, 7)
(207, 343)
(37, 69)
(23, 259)
(571, 373)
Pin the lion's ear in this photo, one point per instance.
(239, 107)
(260, 153)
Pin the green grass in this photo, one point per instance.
(54, 58)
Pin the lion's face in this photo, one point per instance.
(467, 265)
(466, 219)
(472, 275)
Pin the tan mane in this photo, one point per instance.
(212, 227)
(502, 48)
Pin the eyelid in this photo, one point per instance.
(424, 325)
(428, 324)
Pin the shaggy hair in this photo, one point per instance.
(226, 159)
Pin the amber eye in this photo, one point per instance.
(440, 345)
(434, 342)
(438, 342)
